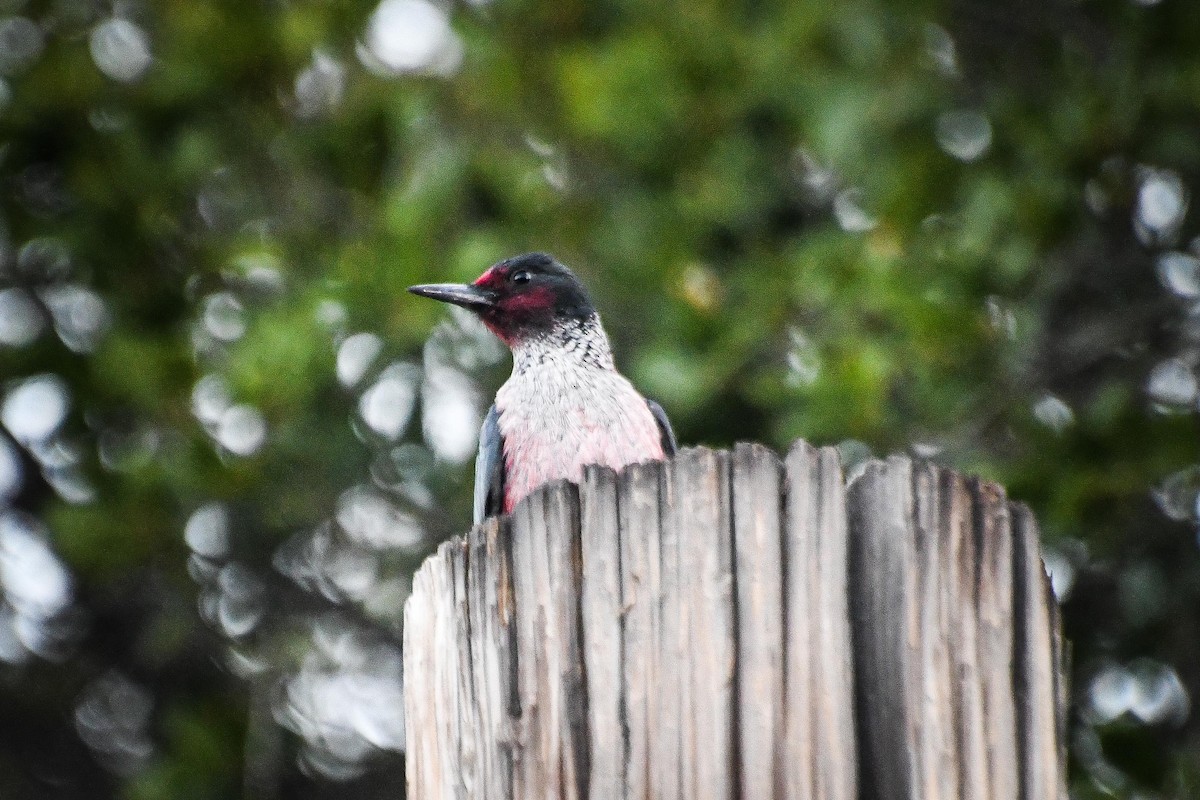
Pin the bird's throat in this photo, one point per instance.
(571, 342)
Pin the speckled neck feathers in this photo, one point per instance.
(566, 406)
(578, 343)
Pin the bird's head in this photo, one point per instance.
(519, 297)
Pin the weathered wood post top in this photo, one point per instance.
(733, 625)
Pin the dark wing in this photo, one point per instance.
(664, 428)
(489, 469)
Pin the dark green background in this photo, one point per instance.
(766, 202)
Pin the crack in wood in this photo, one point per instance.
(730, 625)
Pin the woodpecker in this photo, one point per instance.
(565, 405)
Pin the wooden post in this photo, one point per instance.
(730, 625)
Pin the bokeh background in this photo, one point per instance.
(960, 229)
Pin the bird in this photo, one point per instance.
(565, 406)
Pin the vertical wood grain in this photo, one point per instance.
(1038, 662)
(884, 620)
(489, 598)
(819, 748)
(929, 667)
(758, 560)
(701, 514)
(551, 756)
(638, 501)
(729, 626)
(600, 547)
(666, 751)
(419, 705)
(996, 653)
(958, 530)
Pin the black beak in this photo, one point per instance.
(460, 294)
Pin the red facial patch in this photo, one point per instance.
(493, 278)
(539, 299)
(517, 307)
(499, 332)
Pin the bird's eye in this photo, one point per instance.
(521, 277)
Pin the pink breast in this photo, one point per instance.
(540, 457)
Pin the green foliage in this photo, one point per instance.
(912, 226)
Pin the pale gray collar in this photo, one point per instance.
(579, 343)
